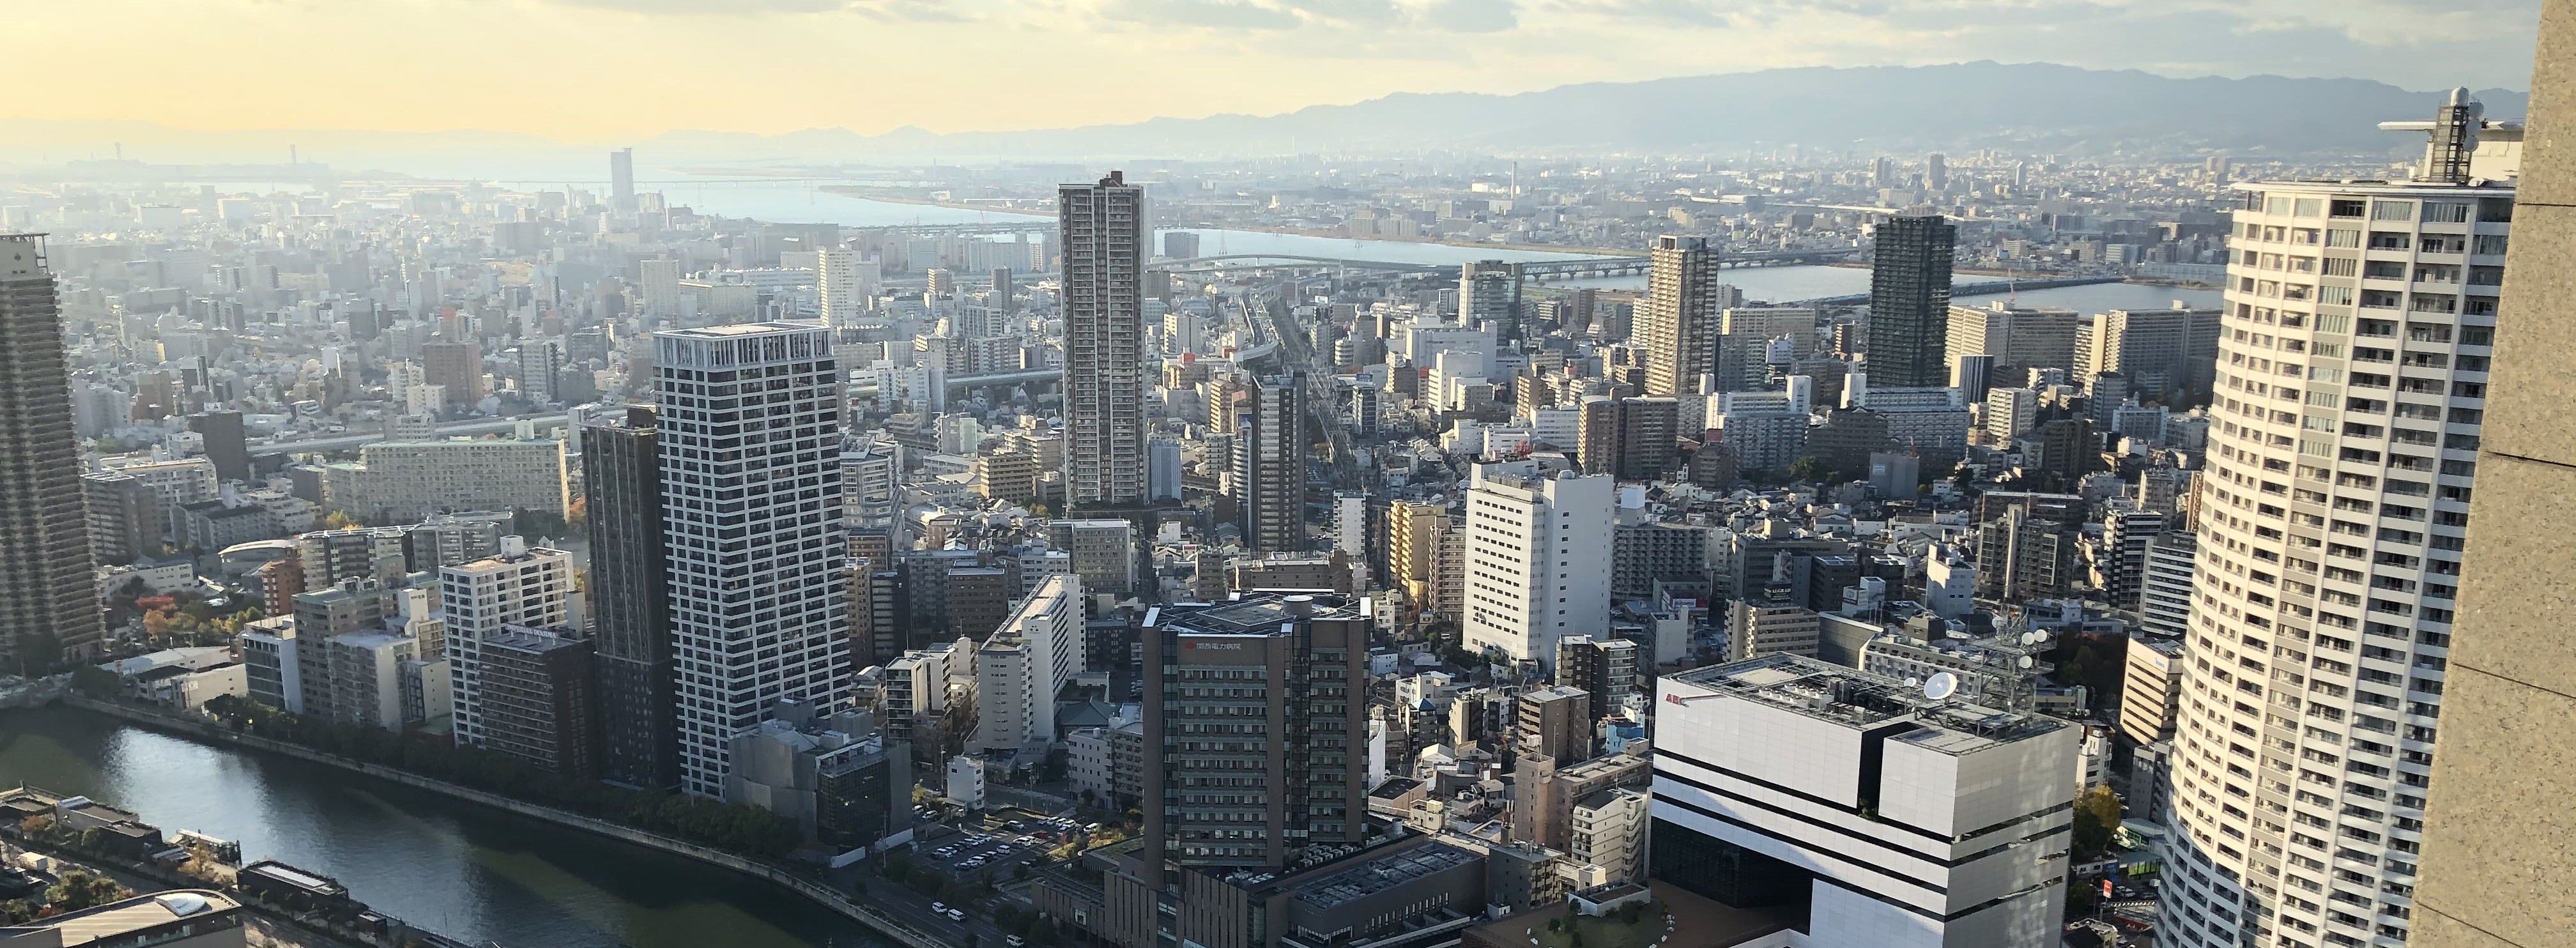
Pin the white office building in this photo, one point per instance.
(521, 587)
(1538, 558)
(751, 477)
(1886, 818)
(2350, 384)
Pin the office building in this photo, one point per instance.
(1755, 629)
(1606, 669)
(1254, 738)
(755, 567)
(523, 587)
(1909, 302)
(48, 600)
(1865, 811)
(2327, 682)
(1270, 449)
(2164, 590)
(1104, 552)
(630, 600)
(1538, 559)
(2121, 563)
(1105, 235)
(1677, 326)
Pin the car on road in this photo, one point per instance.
(940, 907)
(1014, 941)
(956, 916)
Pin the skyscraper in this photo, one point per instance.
(1104, 341)
(621, 180)
(1270, 446)
(630, 598)
(1909, 303)
(2332, 522)
(755, 565)
(48, 600)
(1678, 325)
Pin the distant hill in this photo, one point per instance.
(1864, 109)
(2028, 106)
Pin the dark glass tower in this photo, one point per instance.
(630, 598)
(1909, 303)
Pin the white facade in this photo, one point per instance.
(2349, 387)
(756, 567)
(1916, 823)
(521, 587)
(410, 480)
(1022, 667)
(1537, 559)
(846, 286)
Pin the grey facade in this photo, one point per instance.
(630, 600)
(1909, 303)
(48, 600)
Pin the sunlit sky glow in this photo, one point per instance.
(598, 71)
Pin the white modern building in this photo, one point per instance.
(1537, 558)
(1886, 818)
(402, 481)
(2350, 385)
(750, 449)
(521, 587)
(846, 286)
(1020, 669)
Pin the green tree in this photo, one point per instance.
(1810, 469)
(77, 890)
(2097, 817)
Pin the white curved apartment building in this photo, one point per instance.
(2351, 376)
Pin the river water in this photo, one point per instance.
(440, 863)
(807, 202)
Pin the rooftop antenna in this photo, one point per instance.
(1941, 686)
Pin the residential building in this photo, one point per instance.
(1630, 439)
(1269, 473)
(2163, 355)
(1909, 302)
(1023, 665)
(1677, 325)
(2333, 675)
(2151, 690)
(528, 588)
(1106, 237)
(48, 600)
(405, 481)
(2020, 338)
(762, 549)
(2164, 591)
(537, 700)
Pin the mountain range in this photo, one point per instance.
(2029, 107)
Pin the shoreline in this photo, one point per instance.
(865, 193)
(891, 929)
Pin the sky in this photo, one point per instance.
(605, 71)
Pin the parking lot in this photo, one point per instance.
(1000, 847)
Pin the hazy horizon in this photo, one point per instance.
(602, 72)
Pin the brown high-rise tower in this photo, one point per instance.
(48, 600)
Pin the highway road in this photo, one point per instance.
(480, 426)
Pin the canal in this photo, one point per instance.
(444, 864)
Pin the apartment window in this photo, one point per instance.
(2392, 210)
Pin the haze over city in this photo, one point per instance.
(1287, 474)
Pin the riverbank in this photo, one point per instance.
(871, 194)
(783, 877)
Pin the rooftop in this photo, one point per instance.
(1383, 873)
(1860, 700)
(1254, 613)
(117, 919)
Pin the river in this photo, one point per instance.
(806, 202)
(447, 865)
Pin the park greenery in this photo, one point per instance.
(735, 828)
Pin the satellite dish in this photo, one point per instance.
(1913, 682)
(1941, 686)
(2025, 661)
